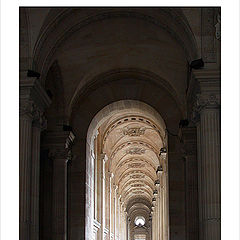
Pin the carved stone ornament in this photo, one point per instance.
(138, 192)
(135, 150)
(210, 101)
(137, 185)
(136, 165)
(134, 131)
(31, 110)
(136, 176)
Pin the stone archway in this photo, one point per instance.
(125, 173)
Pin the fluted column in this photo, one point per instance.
(25, 133)
(150, 227)
(115, 212)
(60, 152)
(33, 101)
(110, 206)
(159, 212)
(161, 185)
(39, 124)
(207, 108)
(103, 187)
(210, 159)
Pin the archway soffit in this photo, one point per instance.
(53, 34)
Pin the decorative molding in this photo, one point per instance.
(205, 92)
(33, 101)
(131, 119)
(136, 165)
(31, 92)
(210, 100)
(131, 149)
(134, 131)
(134, 160)
(138, 192)
(137, 176)
(59, 144)
(137, 185)
(135, 150)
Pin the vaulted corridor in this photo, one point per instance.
(129, 182)
(120, 123)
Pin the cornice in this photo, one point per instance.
(204, 92)
(58, 140)
(32, 90)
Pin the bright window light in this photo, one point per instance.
(139, 221)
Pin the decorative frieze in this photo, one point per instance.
(134, 131)
(136, 165)
(205, 93)
(137, 185)
(137, 176)
(136, 150)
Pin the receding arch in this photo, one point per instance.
(121, 188)
(54, 34)
(123, 105)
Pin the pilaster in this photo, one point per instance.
(59, 144)
(33, 101)
(206, 115)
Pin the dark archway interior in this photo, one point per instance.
(89, 59)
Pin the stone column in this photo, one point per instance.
(103, 187)
(108, 204)
(150, 227)
(25, 133)
(210, 159)
(33, 101)
(208, 108)
(115, 211)
(112, 209)
(189, 138)
(39, 124)
(162, 188)
(159, 206)
(59, 143)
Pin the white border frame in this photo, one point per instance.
(10, 104)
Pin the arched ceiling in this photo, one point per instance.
(132, 142)
(88, 42)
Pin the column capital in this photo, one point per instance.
(60, 144)
(33, 96)
(33, 101)
(204, 92)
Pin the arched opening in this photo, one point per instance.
(127, 173)
(105, 162)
